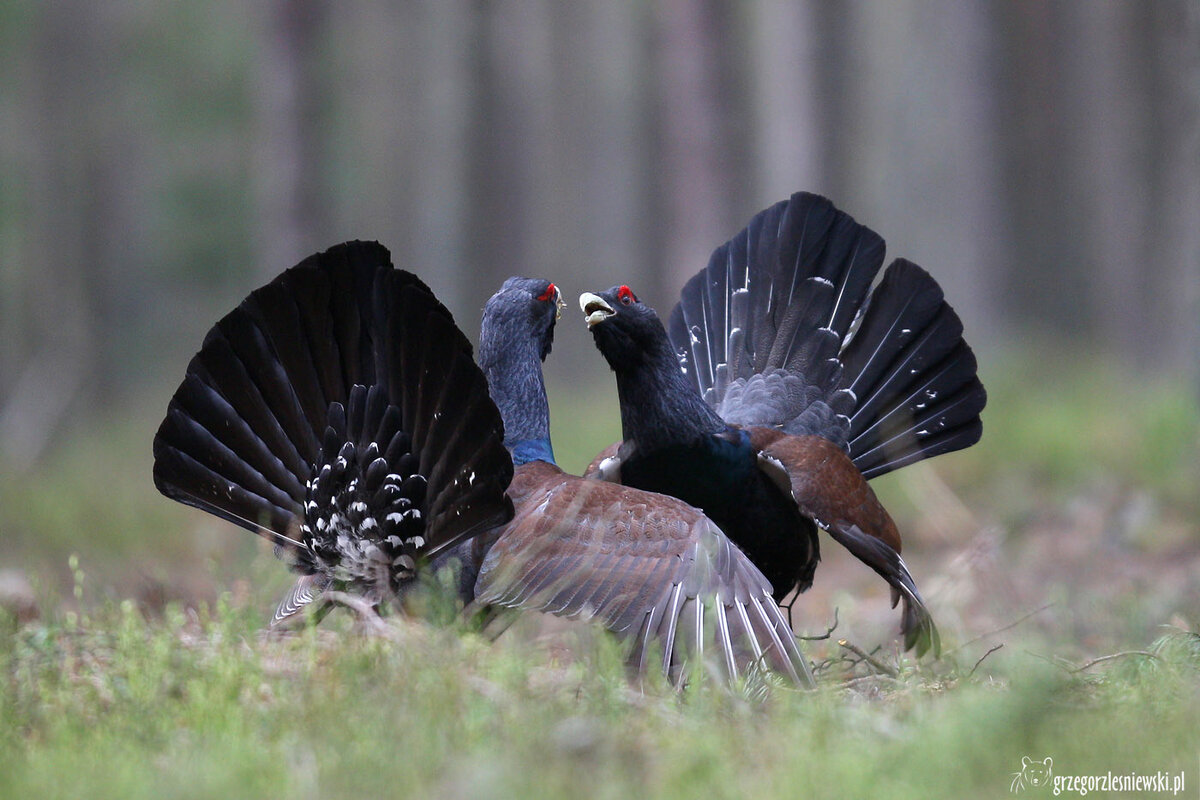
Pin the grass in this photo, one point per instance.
(148, 673)
(202, 704)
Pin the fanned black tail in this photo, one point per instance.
(913, 378)
(339, 395)
(759, 330)
(767, 334)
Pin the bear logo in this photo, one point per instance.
(1033, 773)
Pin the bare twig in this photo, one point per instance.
(1068, 667)
(1007, 627)
(828, 631)
(863, 655)
(1111, 656)
(981, 658)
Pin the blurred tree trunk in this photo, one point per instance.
(920, 163)
(292, 103)
(59, 346)
(441, 63)
(784, 50)
(510, 170)
(1041, 269)
(603, 163)
(693, 178)
(1108, 155)
(1175, 227)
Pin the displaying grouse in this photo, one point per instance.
(648, 566)
(339, 413)
(785, 384)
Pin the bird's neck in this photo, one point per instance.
(514, 375)
(659, 407)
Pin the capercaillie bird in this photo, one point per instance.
(784, 384)
(339, 413)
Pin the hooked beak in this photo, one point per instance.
(558, 304)
(594, 308)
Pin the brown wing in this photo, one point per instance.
(650, 568)
(829, 488)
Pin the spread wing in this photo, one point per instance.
(828, 488)
(650, 568)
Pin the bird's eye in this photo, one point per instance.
(548, 294)
(625, 295)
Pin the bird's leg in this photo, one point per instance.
(788, 608)
(365, 610)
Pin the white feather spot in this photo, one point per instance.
(610, 470)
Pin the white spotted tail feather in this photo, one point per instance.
(338, 412)
(783, 330)
(783, 335)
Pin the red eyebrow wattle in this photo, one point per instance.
(548, 294)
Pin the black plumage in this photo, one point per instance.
(777, 348)
(339, 413)
(782, 329)
(650, 568)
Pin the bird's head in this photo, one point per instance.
(624, 328)
(523, 308)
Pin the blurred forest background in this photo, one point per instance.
(160, 160)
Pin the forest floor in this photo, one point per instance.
(1060, 557)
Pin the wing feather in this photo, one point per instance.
(648, 567)
(830, 490)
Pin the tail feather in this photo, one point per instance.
(204, 407)
(196, 480)
(217, 367)
(251, 347)
(344, 346)
(780, 296)
(767, 334)
(913, 378)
